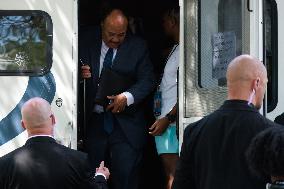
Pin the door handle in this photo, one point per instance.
(248, 6)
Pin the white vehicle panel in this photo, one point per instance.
(63, 14)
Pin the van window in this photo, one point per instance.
(215, 32)
(25, 42)
(271, 52)
(224, 34)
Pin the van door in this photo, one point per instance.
(38, 58)
(213, 33)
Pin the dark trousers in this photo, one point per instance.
(122, 159)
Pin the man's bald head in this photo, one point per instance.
(244, 68)
(116, 17)
(114, 27)
(246, 74)
(37, 116)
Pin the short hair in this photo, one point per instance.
(265, 153)
(107, 8)
(171, 8)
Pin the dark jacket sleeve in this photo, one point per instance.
(2, 178)
(5, 177)
(145, 81)
(184, 175)
(89, 182)
(100, 182)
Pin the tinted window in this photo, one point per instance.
(25, 42)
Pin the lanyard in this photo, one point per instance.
(172, 51)
(168, 57)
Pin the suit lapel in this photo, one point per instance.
(120, 54)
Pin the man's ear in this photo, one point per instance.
(53, 119)
(256, 83)
(23, 124)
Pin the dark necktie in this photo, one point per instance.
(108, 117)
(108, 58)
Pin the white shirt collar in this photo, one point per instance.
(41, 136)
(104, 46)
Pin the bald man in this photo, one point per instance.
(213, 149)
(116, 133)
(41, 162)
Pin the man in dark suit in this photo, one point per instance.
(41, 162)
(213, 149)
(116, 133)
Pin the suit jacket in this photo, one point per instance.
(213, 149)
(131, 60)
(43, 164)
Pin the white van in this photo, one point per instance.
(39, 57)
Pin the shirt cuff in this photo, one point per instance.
(129, 97)
(97, 174)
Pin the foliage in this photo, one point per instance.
(23, 42)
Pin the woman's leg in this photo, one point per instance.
(169, 163)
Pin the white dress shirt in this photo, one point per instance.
(128, 95)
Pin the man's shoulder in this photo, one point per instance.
(71, 152)
(270, 123)
(261, 120)
(135, 40)
(280, 119)
(12, 156)
(192, 132)
(250, 118)
(195, 126)
(59, 147)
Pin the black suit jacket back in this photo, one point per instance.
(213, 150)
(43, 164)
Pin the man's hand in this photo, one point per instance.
(118, 103)
(103, 170)
(85, 71)
(159, 126)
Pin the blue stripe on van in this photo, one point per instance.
(44, 87)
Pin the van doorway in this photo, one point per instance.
(146, 17)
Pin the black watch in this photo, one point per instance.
(171, 117)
